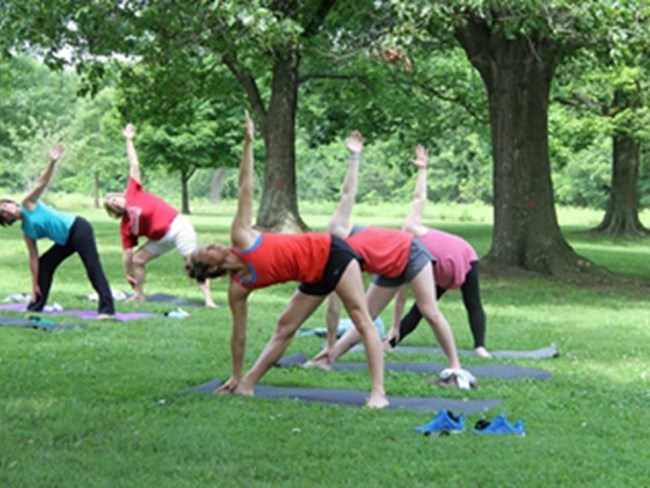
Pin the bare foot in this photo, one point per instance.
(482, 352)
(318, 363)
(377, 401)
(136, 298)
(243, 391)
(386, 346)
(211, 305)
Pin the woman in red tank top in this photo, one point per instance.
(321, 262)
(396, 258)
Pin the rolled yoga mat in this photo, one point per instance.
(358, 398)
(503, 371)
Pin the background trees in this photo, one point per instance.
(475, 80)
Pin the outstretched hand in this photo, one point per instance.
(129, 131)
(421, 158)
(250, 127)
(55, 153)
(354, 142)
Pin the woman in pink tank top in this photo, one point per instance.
(456, 266)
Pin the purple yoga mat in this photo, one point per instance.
(84, 314)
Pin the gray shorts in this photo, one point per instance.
(419, 256)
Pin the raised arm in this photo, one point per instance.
(413, 222)
(134, 164)
(241, 230)
(339, 223)
(32, 197)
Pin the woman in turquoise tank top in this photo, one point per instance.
(70, 234)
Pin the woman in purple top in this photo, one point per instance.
(456, 266)
(71, 234)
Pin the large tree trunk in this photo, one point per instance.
(517, 75)
(622, 215)
(278, 210)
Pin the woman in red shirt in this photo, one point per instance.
(396, 258)
(321, 262)
(144, 214)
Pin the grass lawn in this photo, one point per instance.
(100, 406)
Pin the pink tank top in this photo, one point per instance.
(453, 255)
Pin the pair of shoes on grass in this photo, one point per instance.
(446, 423)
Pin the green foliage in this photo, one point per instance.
(35, 110)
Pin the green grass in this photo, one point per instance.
(100, 406)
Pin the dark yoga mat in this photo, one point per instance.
(84, 314)
(357, 398)
(503, 371)
(35, 323)
(543, 353)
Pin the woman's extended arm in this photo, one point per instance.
(33, 266)
(339, 223)
(134, 163)
(413, 222)
(241, 230)
(33, 196)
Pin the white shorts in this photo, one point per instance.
(181, 235)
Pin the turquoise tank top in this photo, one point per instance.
(44, 221)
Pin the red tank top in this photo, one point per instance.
(278, 258)
(384, 251)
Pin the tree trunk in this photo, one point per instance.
(622, 215)
(216, 183)
(96, 189)
(278, 210)
(185, 196)
(517, 74)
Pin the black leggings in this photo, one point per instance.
(471, 299)
(82, 241)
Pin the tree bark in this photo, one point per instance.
(278, 210)
(185, 195)
(517, 74)
(622, 214)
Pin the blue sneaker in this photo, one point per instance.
(499, 426)
(445, 422)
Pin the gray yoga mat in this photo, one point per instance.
(37, 324)
(358, 398)
(542, 353)
(503, 371)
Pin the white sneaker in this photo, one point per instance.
(177, 313)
